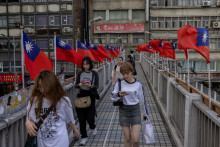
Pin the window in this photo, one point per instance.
(28, 0)
(218, 65)
(218, 46)
(138, 14)
(153, 23)
(3, 44)
(99, 39)
(28, 20)
(42, 43)
(198, 22)
(153, 3)
(175, 2)
(99, 13)
(161, 3)
(17, 66)
(6, 66)
(114, 38)
(182, 22)
(160, 22)
(13, 1)
(14, 21)
(168, 22)
(190, 21)
(174, 22)
(118, 15)
(205, 21)
(138, 39)
(212, 43)
(200, 66)
(41, 20)
(3, 21)
(54, 20)
(1, 66)
(67, 19)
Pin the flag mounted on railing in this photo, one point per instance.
(194, 38)
(156, 45)
(35, 59)
(168, 50)
(84, 51)
(95, 52)
(110, 52)
(104, 52)
(65, 53)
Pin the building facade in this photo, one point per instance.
(41, 19)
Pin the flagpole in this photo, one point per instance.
(209, 92)
(55, 53)
(75, 64)
(167, 65)
(22, 56)
(175, 67)
(188, 80)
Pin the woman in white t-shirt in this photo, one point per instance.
(116, 70)
(48, 92)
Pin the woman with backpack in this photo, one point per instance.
(48, 111)
(131, 60)
(87, 81)
(132, 93)
(116, 70)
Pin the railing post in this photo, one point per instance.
(191, 118)
(169, 97)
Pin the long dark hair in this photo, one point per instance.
(88, 61)
(54, 90)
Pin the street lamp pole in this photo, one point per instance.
(96, 19)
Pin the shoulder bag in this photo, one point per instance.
(120, 101)
(32, 140)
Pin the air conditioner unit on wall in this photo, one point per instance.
(216, 24)
(63, 7)
(29, 30)
(206, 3)
(218, 3)
(67, 29)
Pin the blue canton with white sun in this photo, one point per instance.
(30, 48)
(203, 37)
(62, 44)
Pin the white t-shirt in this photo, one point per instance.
(53, 131)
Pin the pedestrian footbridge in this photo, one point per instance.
(180, 113)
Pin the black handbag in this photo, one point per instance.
(120, 101)
(95, 94)
(32, 140)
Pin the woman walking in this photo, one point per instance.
(87, 81)
(48, 97)
(116, 70)
(131, 60)
(132, 92)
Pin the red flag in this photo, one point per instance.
(84, 51)
(194, 38)
(156, 45)
(95, 52)
(168, 50)
(65, 53)
(104, 52)
(35, 59)
(111, 52)
(148, 48)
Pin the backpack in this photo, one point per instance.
(115, 67)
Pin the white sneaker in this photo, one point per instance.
(83, 141)
(94, 132)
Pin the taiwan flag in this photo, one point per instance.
(156, 45)
(104, 53)
(35, 59)
(148, 48)
(65, 53)
(194, 38)
(110, 52)
(168, 50)
(84, 51)
(95, 52)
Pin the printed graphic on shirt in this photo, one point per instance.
(48, 128)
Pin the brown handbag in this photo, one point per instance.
(83, 102)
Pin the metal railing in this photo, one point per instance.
(12, 126)
(190, 121)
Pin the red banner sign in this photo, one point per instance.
(118, 28)
(10, 78)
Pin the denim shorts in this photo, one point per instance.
(129, 115)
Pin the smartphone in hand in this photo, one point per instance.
(124, 93)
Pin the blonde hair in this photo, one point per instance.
(126, 68)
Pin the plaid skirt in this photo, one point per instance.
(129, 115)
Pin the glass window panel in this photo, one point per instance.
(218, 43)
(161, 2)
(99, 13)
(190, 21)
(153, 2)
(118, 15)
(212, 65)
(174, 2)
(205, 21)
(138, 14)
(42, 43)
(138, 38)
(3, 21)
(200, 66)
(174, 22)
(51, 20)
(161, 22)
(69, 20)
(182, 22)
(14, 21)
(212, 43)
(168, 22)
(218, 65)
(198, 22)
(57, 20)
(41, 20)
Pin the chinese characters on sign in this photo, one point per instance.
(112, 28)
(10, 78)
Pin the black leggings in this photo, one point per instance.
(86, 114)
